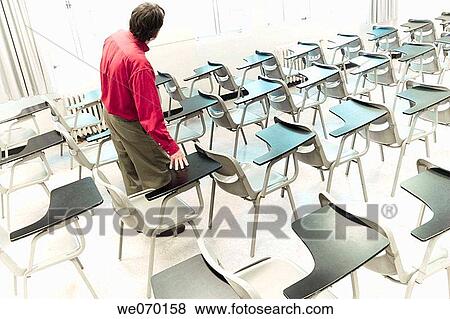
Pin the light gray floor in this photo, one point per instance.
(126, 279)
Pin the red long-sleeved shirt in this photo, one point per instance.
(128, 87)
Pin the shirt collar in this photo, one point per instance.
(142, 45)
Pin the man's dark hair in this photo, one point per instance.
(146, 21)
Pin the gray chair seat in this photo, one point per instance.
(30, 173)
(191, 279)
(331, 151)
(255, 175)
(250, 117)
(84, 120)
(18, 135)
(176, 213)
(185, 133)
(108, 154)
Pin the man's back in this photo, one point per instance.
(123, 57)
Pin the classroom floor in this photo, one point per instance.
(112, 278)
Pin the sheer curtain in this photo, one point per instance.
(21, 70)
(384, 11)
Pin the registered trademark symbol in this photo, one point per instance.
(389, 211)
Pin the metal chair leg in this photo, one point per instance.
(151, 259)
(383, 94)
(61, 149)
(399, 166)
(211, 204)
(121, 240)
(243, 136)
(410, 287)
(382, 153)
(286, 169)
(256, 205)
(448, 278)
(47, 191)
(292, 202)
(236, 142)
(427, 146)
(3, 206)
(363, 182)
(15, 285)
(211, 138)
(7, 213)
(80, 171)
(421, 215)
(77, 264)
(355, 285)
(322, 176)
(324, 129)
(347, 171)
(330, 177)
(25, 287)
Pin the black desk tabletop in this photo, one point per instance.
(423, 98)
(445, 17)
(190, 106)
(66, 203)
(300, 50)
(99, 136)
(432, 187)
(27, 106)
(367, 63)
(379, 33)
(412, 51)
(202, 71)
(339, 242)
(35, 145)
(282, 139)
(415, 25)
(162, 79)
(255, 60)
(257, 89)
(356, 115)
(341, 41)
(199, 167)
(444, 40)
(315, 75)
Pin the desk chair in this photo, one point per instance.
(387, 43)
(53, 242)
(250, 182)
(327, 156)
(427, 34)
(272, 68)
(284, 101)
(428, 64)
(225, 79)
(25, 172)
(339, 242)
(348, 51)
(391, 264)
(151, 218)
(314, 56)
(234, 119)
(384, 77)
(174, 90)
(90, 156)
(386, 132)
(182, 130)
(264, 279)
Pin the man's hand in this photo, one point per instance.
(178, 161)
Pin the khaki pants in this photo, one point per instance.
(143, 163)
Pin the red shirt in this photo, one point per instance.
(128, 87)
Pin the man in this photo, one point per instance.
(133, 110)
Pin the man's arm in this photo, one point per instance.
(150, 114)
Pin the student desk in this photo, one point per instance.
(357, 116)
(444, 40)
(203, 72)
(35, 145)
(252, 61)
(432, 187)
(366, 64)
(301, 50)
(66, 203)
(189, 107)
(315, 76)
(256, 91)
(339, 242)
(415, 25)
(424, 97)
(292, 138)
(341, 42)
(199, 167)
(28, 107)
(161, 79)
(380, 33)
(445, 19)
(411, 52)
